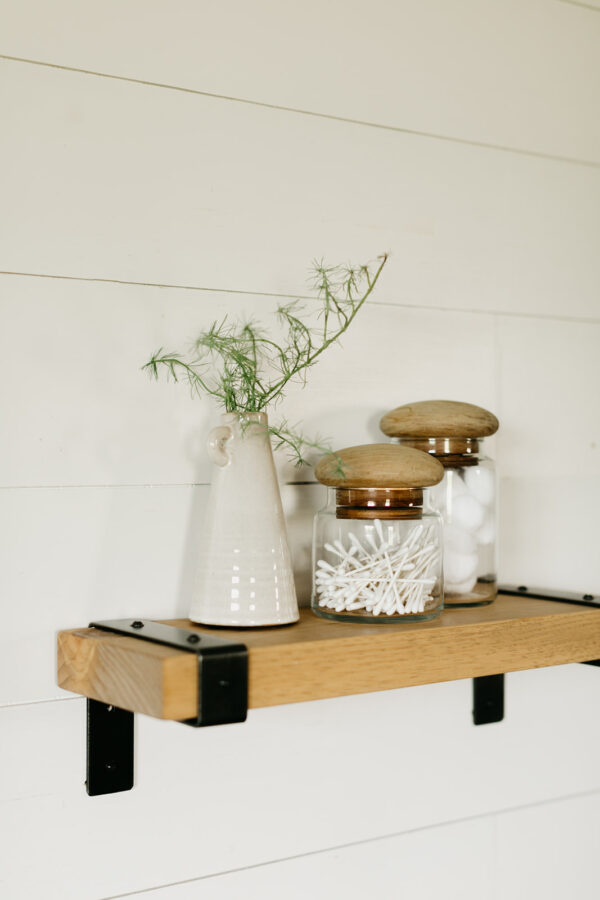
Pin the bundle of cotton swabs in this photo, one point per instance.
(387, 578)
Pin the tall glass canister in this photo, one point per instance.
(466, 498)
(377, 550)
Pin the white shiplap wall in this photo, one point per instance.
(164, 164)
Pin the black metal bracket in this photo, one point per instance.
(488, 699)
(222, 699)
(223, 690)
(109, 749)
(522, 590)
(488, 691)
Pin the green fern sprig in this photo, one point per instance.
(245, 370)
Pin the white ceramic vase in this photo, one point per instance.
(244, 575)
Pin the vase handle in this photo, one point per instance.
(217, 445)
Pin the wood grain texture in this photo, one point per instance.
(148, 678)
(439, 418)
(315, 659)
(379, 466)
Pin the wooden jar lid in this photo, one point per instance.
(439, 418)
(379, 466)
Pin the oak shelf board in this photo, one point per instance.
(316, 659)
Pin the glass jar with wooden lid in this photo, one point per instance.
(453, 433)
(377, 551)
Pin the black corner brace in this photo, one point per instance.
(109, 759)
(222, 667)
(488, 691)
(535, 593)
(488, 699)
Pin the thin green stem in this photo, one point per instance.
(279, 385)
(246, 371)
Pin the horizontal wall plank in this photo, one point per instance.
(570, 827)
(131, 182)
(85, 413)
(550, 417)
(512, 73)
(549, 533)
(98, 553)
(386, 869)
(259, 811)
(480, 859)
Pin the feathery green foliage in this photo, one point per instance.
(245, 370)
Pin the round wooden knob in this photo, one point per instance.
(439, 418)
(379, 466)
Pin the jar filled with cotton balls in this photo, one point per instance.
(452, 432)
(377, 551)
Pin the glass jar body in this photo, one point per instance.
(466, 499)
(377, 565)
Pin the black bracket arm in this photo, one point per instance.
(488, 699)
(521, 590)
(488, 691)
(222, 667)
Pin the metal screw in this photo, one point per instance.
(588, 596)
(521, 587)
(110, 767)
(192, 639)
(137, 624)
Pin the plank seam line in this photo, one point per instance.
(581, 4)
(413, 132)
(18, 703)
(383, 837)
(590, 320)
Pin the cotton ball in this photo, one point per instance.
(458, 567)
(467, 512)
(480, 482)
(458, 540)
(487, 532)
(460, 587)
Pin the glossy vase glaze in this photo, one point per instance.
(244, 576)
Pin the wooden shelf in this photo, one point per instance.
(316, 659)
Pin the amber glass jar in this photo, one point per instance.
(466, 497)
(377, 551)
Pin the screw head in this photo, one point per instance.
(192, 639)
(137, 624)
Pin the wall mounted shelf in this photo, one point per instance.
(317, 659)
